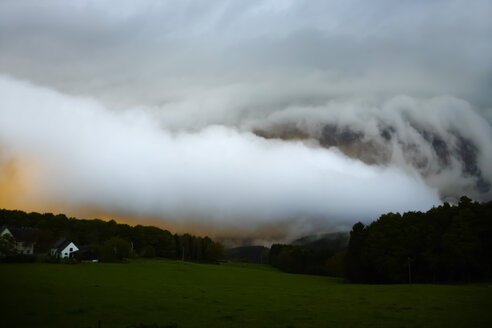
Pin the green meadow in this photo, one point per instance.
(167, 293)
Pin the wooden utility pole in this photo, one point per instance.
(409, 271)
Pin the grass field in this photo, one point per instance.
(228, 295)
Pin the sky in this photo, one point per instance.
(261, 119)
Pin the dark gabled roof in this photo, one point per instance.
(61, 244)
(25, 234)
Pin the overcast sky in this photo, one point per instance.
(147, 108)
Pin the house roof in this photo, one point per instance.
(25, 234)
(61, 243)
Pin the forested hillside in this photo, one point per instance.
(103, 236)
(447, 243)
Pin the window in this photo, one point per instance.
(71, 249)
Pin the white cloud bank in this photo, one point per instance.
(125, 163)
(150, 108)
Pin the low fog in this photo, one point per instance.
(260, 119)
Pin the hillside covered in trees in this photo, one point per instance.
(319, 254)
(445, 244)
(105, 236)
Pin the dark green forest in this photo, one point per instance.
(319, 254)
(112, 241)
(445, 244)
(249, 254)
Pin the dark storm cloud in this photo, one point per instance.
(126, 163)
(152, 52)
(410, 80)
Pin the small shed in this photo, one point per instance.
(86, 254)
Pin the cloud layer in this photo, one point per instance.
(159, 52)
(92, 157)
(301, 114)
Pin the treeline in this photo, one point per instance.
(301, 259)
(322, 255)
(249, 254)
(445, 244)
(111, 240)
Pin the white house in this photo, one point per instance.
(23, 238)
(64, 248)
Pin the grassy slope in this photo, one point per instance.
(227, 295)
